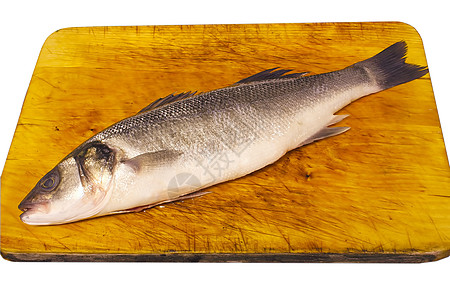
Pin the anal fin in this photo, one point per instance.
(336, 119)
(325, 133)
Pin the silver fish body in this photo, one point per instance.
(187, 142)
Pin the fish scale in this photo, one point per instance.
(209, 138)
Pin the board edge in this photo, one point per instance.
(368, 257)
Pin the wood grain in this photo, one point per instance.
(379, 192)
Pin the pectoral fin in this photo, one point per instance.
(152, 159)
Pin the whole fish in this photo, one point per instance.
(182, 143)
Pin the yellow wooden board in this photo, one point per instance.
(379, 192)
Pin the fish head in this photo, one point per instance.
(77, 188)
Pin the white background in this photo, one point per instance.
(24, 27)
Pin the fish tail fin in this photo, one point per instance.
(389, 68)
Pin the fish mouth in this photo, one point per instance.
(26, 206)
(33, 201)
(34, 215)
(25, 216)
(32, 209)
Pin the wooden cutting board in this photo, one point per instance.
(378, 193)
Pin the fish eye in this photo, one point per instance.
(50, 181)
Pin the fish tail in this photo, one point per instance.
(389, 68)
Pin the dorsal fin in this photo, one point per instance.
(166, 100)
(268, 74)
(274, 73)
